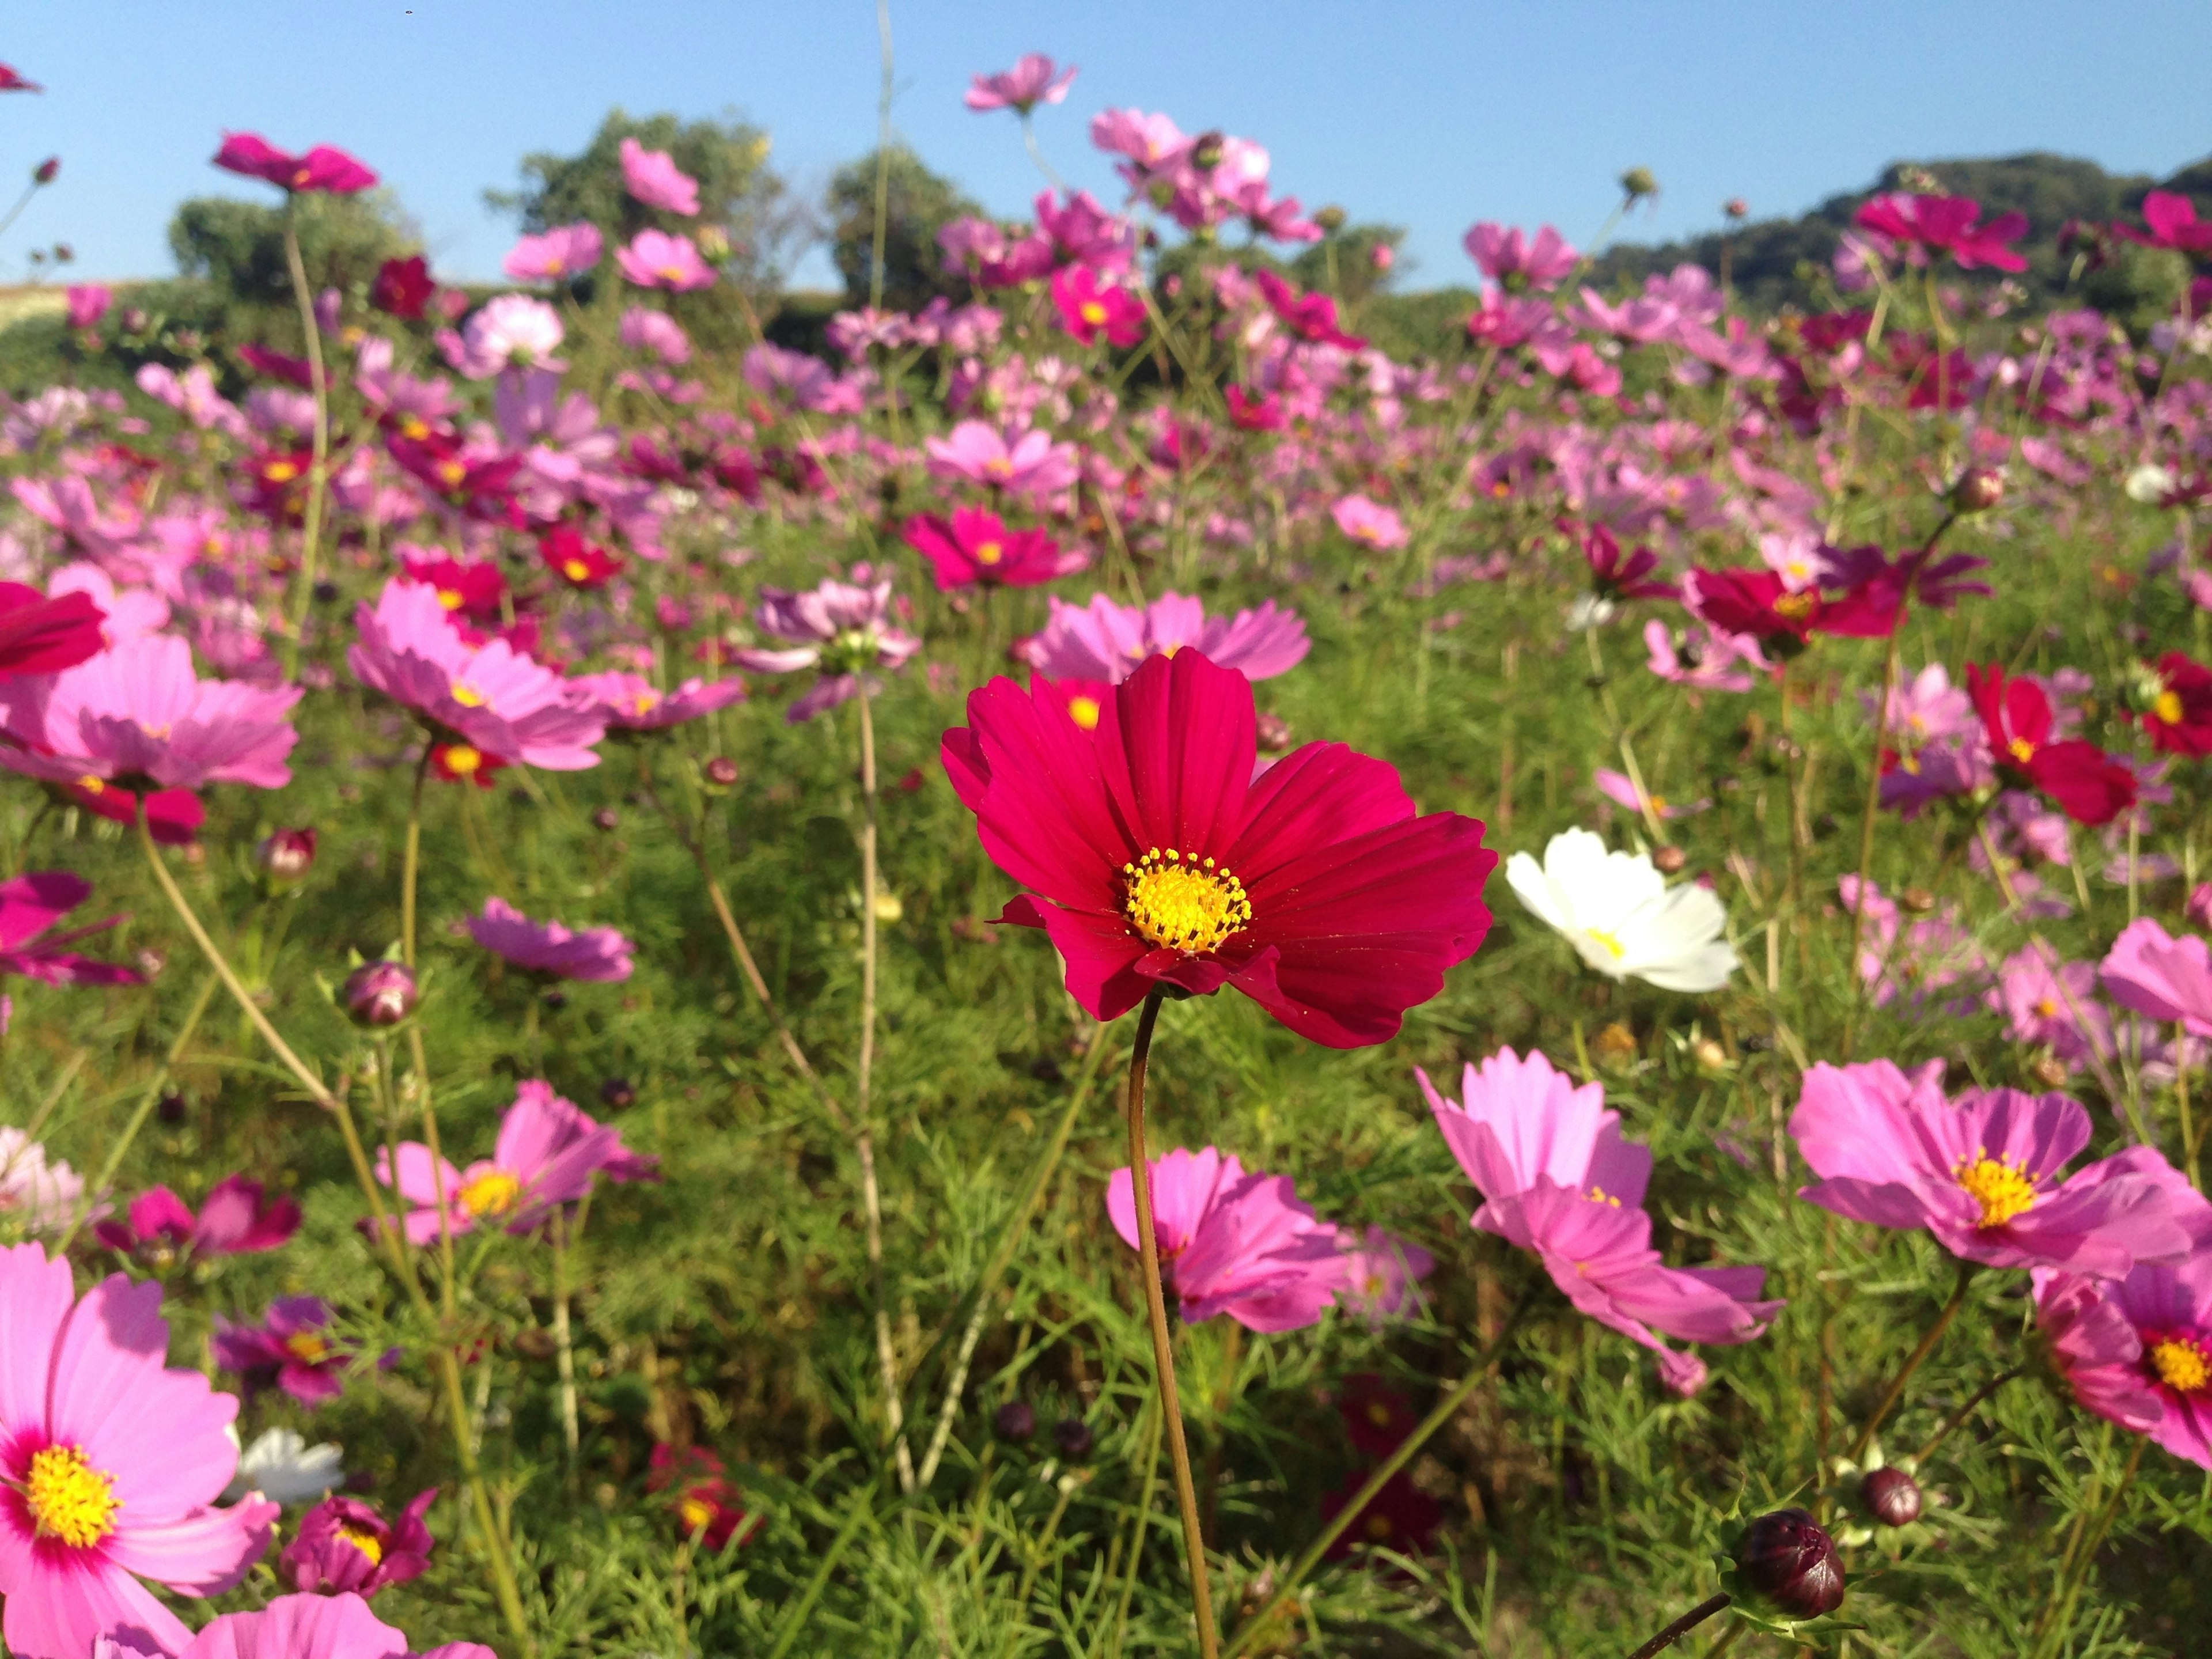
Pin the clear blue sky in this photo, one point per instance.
(1420, 112)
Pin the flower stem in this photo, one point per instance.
(1155, 1306)
(502, 1572)
(1873, 807)
(564, 1348)
(1928, 1341)
(147, 1102)
(1446, 1409)
(1682, 1627)
(2181, 1103)
(1137, 1525)
(1967, 1411)
(311, 527)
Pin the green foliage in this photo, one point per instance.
(232, 252)
(918, 204)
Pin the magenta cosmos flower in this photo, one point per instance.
(1244, 1245)
(974, 546)
(1089, 307)
(1034, 80)
(548, 1151)
(238, 1218)
(491, 699)
(632, 703)
(1028, 464)
(322, 168)
(1156, 861)
(346, 1546)
(600, 954)
(1559, 1182)
(29, 906)
(841, 629)
(2148, 970)
(2138, 1351)
(1369, 523)
(656, 260)
(1512, 260)
(111, 1464)
(1104, 640)
(306, 1627)
(290, 1348)
(44, 635)
(1983, 1173)
(652, 177)
(556, 255)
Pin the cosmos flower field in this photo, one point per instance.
(1103, 974)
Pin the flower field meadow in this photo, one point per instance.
(1103, 975)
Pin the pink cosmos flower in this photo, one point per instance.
(1034, 80)
(1705, 659)
(1089, 307)
(974, 546)
(291, 1347)
(11, 81)
(592, 954)
(491, 698)
(632, 703)
(137, 709)
(1508, 258)
(43, 634)
(1083, 232)
(1380, 1273)
(2158, 975)
(1369, 523)
(30, 905)
(2053, 1004)
(2139, 1351)
(512, 332)
(556, 255)
(1933, 953)
(1619, 787)
(1984, 1174)
(322, 168)
(344, 1547)
(840, 629)
(652, 177)
(655, 331)
(238, 1218)
(1244, 1245)
(112, 1463)
(2173, 222)
(88, 303)
(1031, 465)
(656, 260)
(38, 1194)
(305, 1627)
(548, 1151)
(1518, 1122)
(1949, 224)
(1106, 641)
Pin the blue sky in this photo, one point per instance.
(1419, 113)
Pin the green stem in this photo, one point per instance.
(1928, 1341)
(1137, 1532)
(311, 527)
(147, 1102)
(1967, 1411)
(1682, 1627)
(502, 1572)
(794, 1618)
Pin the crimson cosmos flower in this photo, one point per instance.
(2177, 715)
(42, 635)
(579, 563)
(1156, 859)
(1758, 603)
(1950, 224)
(403, 287)
(2088, 785)
(1613, 576)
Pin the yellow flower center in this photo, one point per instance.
(450, 598)
(554, 267)
(2003, 1189)
(1614, 947)
(1184, 903)
(1796, 606)
(307, 1347)
(414, 427)
(998, 466)
(1378, 1413)
(68, 1498)
(461, 760)
(281, 472)
(2168, 707)
(2181, 1364)
(468, 697)
(990, 553)
(1379, 1527)
(1083, 711)
(696, 1513)
(645, 702)
(576, 570)
(92, 786)
(452, 472)
(673, 273)
(1599, 1195)
(1092, 313)
(2046, 1009)
(2021, 750)
(366, 1542)
(492, 1192)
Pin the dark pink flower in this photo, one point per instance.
(42, 635)
(1089, 307)
(31, 904)
(2160, 976)
(1949, 224)
(1244, 1245)
(1034, 80)
(322, 168)
(238, 1218)
(345, 1546)
(1105, 641)
(1509, 258)
(976, 546)
(597, 954)
(548, 1152)
(290, 1348)
(2173, 222)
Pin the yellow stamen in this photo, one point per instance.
(366, 1542)
(452, 472)
(1614, 948)
(1083, 711)
(450, 598)
(695, 1513)
(70, 1499)
(1599, 1195)
(2168, 707)
(307, 1347)
(990, 553)
(461, 760)
(576, 570)
(2182, 1364)
(492, 1192)
(280, 473)
(468, 697)
(2002, 1188)
(1796, 606)
(92, 786)
(1182, 901)
(414, 427)
(1092, 312)
(2021, 750)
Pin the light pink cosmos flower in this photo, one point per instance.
(1704, 658)
(112, 1463)
(841, 629)
(1369, 523)
(1935, 952)
(38, 1194)
(548, 1149)
(1034, 80)
(1106, 641)
(1030, 464)
(1380, 1274)
(2053, 1004)
(595, 954)
(656, 260)
(633, 703)
(138, 708)
(655, 331)
(556, 255)
(1519, 1121)
(2158, 975)
(491, 697)
(302, 1627)
(1620, 788)
(652, 177)
(1512, 260)
(1983, 1173)
(1926, 708)
(31, 904)
(1244, 1245)
(512, 332)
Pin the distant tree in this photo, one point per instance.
(740, 196)
(1343, 263)
(232, 255)
(918, 204)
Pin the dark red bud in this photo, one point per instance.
(1014, 1422)
(1670, 859)
(1789, 1560)
(1978, 489)
(722, 771)
(617, 1094)
(381, 992)
(287, 854)
(48, 170)
(1072, 1435)
(1892, 1497)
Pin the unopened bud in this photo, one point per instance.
(1708, 1055)
(172, 1107)
(65, 254)
(1074, 1438)
(1736, 207)
(286, 855)
(1273, 732)
(617, 1094)
(1014, 1422)
(1669, 861)
(1615, 1044)
(47, 170)
(1891, 1495)
(1207, 149)
(1330, 218)
(1978, 489)
(2199, 908)
(1786, 1559)
(607, 818)
(2050, 1072)
(714, 244)
(722, 771)
(135, 320)
(1918, 900)
(381, 992)
(1637, 183)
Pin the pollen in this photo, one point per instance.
(2001, 1187)
(2182, 1364)
(990, 553)
(307, 1347)
(450, 598)
(461, 760)
(1092, 313)
(1797, 606)
(69, 1500)
(1182, 901)
(2021, 750)
(280, 473)
(468, 697)
(1599, 1195)
(492, 1192)
(2168, 707)
(366, 1542)
(1083, 711)
(1614, 947)
(695, 1513)
(576, 570)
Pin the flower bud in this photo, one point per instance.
(607, 818)
(135, 320)
(47, 170)
(381, 992)
(1273, 732)
(1786, 1559)
(1891, 1495)
(2199, 908)
(172, 1107)
(1978, 489)
(286, 855)
(722, 771)
(1736, 207)
(1615, 1045)
(1207, 149)
(1072, 1435)
(1637, 183)
(1329, 218)
(1708, 1055)
(617, 1094)
(1014, 1422)
(1669, 861)
(714, 244)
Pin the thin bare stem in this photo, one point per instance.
(1886, 692)
(147, 1102)
(1156, 1305)
(1682, 1627)
(1928, 1341)
(564, 1352)
(1967, 1411)
(311, 524)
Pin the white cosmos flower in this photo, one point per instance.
(281, 1466)
(1623, 920)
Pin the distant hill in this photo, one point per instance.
(1770, 259)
